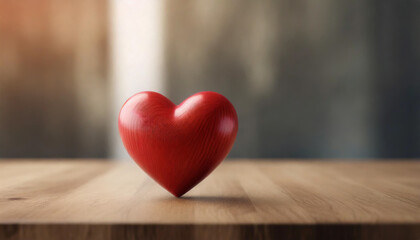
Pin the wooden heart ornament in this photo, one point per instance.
(178, 146)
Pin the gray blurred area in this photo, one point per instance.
(309, 79)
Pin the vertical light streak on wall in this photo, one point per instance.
(136, 56)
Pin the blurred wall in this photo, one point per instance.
(396, 38)
(53, 78)
(308, 78)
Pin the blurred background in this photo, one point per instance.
(309, 79)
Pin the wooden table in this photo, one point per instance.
(242, 199)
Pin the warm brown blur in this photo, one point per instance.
(53, 78)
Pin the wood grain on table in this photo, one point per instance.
(242, 199)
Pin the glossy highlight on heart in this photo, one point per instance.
(178, 145)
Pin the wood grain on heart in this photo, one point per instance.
(178, 146)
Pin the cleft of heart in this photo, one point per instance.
(178, 145)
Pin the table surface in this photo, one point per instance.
(255, 192)
(237, 192)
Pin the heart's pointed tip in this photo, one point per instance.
(177, 194)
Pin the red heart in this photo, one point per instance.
(178, 146)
